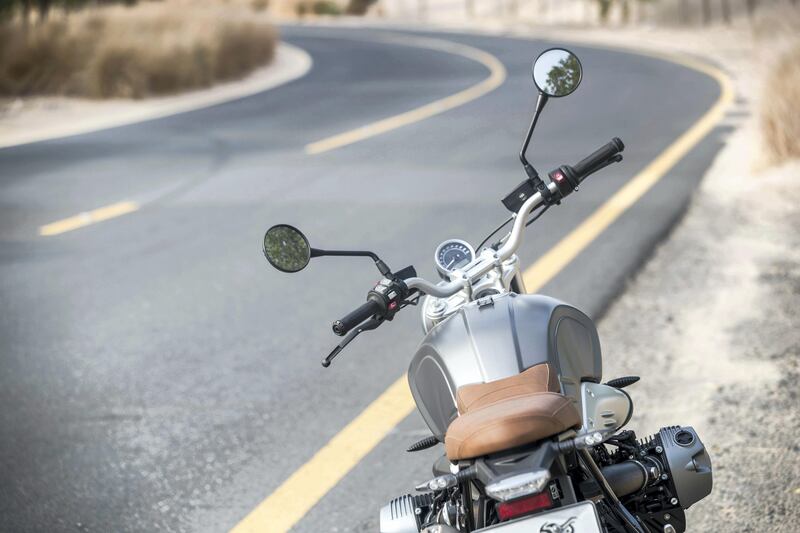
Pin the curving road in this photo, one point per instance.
(155, 375)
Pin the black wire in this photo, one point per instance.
(501, 226)
(540, 213)
(528, 223)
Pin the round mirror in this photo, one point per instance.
(286, 248)
(557, 72)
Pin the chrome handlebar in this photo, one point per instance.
(488, 258)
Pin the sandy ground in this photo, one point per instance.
(712, 324)
(40, 118)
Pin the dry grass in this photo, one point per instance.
(776, 33)
(780, 107)
(149, 49)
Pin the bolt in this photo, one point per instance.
(659, 449)
(664, 477)
(418, 511)
(667, 516)
(674, 501)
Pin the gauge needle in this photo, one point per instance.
(451, 263)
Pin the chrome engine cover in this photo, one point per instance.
(398, 516)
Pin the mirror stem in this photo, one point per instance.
(529, 170)
(382, 267)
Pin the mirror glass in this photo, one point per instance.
(286, 248)
(557, 72)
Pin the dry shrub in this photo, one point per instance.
(780, 107)
(37, 61)
(150, 49)
(358, 7)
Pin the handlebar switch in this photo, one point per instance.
(565, 179)
(390, 293)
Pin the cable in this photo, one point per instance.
(509, 219)
(501, 226)
(540, 213)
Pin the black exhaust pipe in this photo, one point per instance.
(626, 477)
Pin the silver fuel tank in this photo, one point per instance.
(498, 337)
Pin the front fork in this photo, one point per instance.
(518, 284)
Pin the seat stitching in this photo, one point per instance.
(518, 396)
(509, 386)
(491, 426)
(546, 417)
(506, 420)
(515, 396)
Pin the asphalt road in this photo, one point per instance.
(156, 375)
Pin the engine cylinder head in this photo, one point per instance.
(400, 515)
(689, 464)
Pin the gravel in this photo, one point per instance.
(712, 324)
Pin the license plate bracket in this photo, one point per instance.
(578, 518)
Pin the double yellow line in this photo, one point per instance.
(281, 510)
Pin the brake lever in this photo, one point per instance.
(370, 324)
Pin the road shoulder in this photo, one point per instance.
(710, 324)
(711, 320)
(43, 118)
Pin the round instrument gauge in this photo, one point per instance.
(453, 254)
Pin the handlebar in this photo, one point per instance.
(354, 318)
(383, 303)
(600, 156)
(558, 188)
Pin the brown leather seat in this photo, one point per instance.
(509, 412)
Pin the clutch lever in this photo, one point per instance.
(368, 325)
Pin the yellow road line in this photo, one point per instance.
(570, 246)
(88, 217)
(497, 75)
(298, 494)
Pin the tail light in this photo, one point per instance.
(509, 510)
(519, 485)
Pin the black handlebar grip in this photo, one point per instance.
(354, 318)
(603, 154)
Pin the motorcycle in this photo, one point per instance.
(510, 382)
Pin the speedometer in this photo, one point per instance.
(453, 254)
